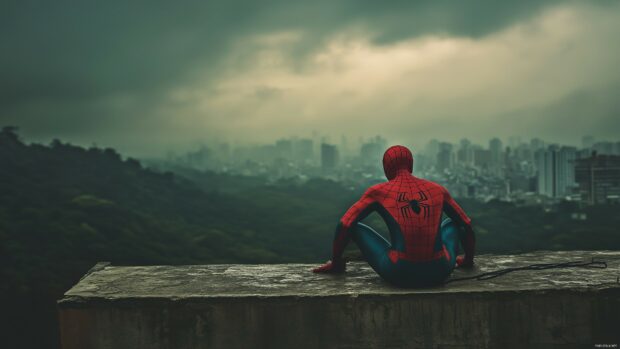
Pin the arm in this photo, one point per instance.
(355, 213)
(468, 240)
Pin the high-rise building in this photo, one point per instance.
(344, 146)
(536, 144)
(316, 144)
(497, 157)
(431, 150)
(284, 149)
(445, 157)
(372, 151)
(329, 157)
(497, 151)
(482, 157)
(598, 178)
(465, 154)
(303, 150)
(604, 148)
(556, 171)
(565, 172)
(544, 166)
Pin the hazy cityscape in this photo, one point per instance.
(520, 170)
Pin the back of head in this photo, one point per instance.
(397, 159)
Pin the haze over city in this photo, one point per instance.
(150, 78)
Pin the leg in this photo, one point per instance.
(450, 238)
(373, 246)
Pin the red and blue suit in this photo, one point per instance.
(423, 248)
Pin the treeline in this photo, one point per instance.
(63, 208)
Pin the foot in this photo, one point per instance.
(464, 262)
(331, 268)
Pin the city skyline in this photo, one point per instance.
(353, 144)
(525, 170)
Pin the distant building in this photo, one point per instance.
(465, 154)
(201, 159)
(598, 178)
(304, 150)
(604, 148)
(284, 149)
(496, 148)
(536, 144)
(565, 172)
(497, 156)
(372, 151)
(445, 157)
(544, 166)
(556, 171)
(431, 150)
(344, 146)
(329, 157)
(482, 158)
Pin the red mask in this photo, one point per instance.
(397, 159)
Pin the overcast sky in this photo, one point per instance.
(148, 76)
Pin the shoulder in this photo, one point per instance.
(375, 189)
(430, 184)
(432, 187)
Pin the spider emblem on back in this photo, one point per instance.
(418, 205)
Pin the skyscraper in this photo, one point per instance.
(598, 178)
(604, 148)
(556, 171)
(304, 150)
(445, 157)
(372, 151)
(496, 148)
(536, 144)
(497, 156)
(565, 172)
(284, 149)
(329, 157)
(431, 150)
(465, 154)
(545, 158)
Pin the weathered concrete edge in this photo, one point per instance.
(79, 302)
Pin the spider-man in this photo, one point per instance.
(423, 249)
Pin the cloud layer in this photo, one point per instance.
(153, 76)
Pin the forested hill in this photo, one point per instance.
(63, 208)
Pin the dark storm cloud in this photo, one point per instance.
(84, 49)
(98, 70)
(71, 48)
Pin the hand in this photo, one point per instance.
(331, 267)
(464, 262)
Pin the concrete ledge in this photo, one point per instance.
(285, 306)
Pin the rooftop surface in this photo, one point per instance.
(107, 282)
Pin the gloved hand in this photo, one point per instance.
(332, 267)
(464, 261)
